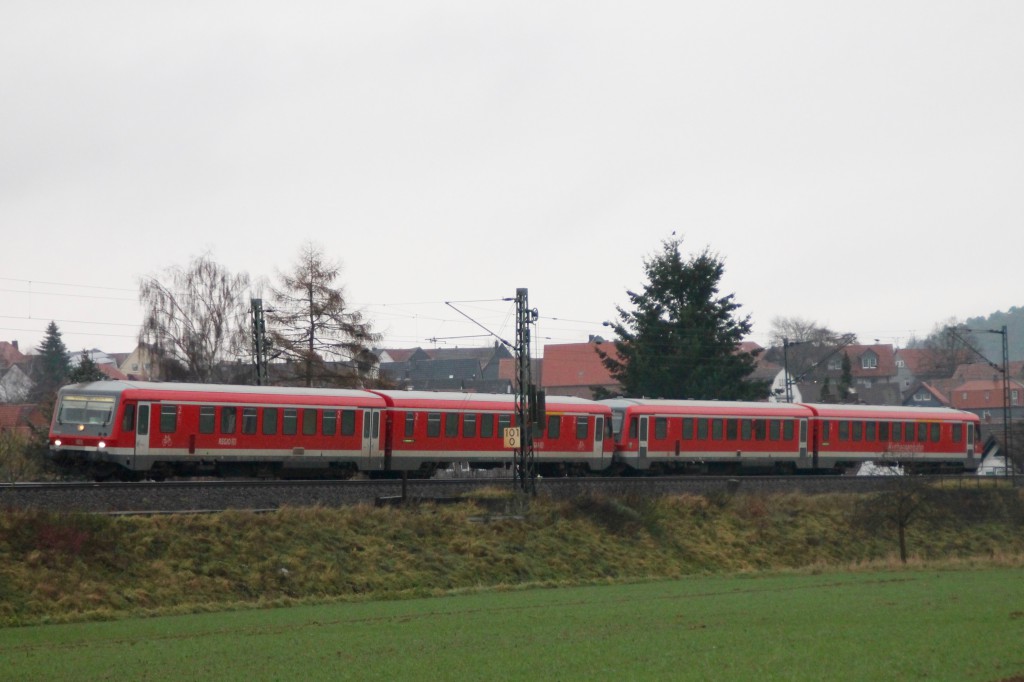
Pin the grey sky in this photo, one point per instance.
(856, 164)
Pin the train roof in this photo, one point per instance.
(489, 401)
(887, 412)
(222, 392)
(715, 407)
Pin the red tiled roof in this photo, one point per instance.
(9, 355)
(982, 394)
(111, 371)
(18, 418)
(577, 364)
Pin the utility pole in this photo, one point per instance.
(529, 410)
(1011, 467)
(259, 346)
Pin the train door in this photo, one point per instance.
(970, 441)
(142, 429)
(803, 438)
(371, 438)
(598, 450)
(642, 449)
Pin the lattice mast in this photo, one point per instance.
(528, 413)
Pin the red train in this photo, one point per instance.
(137, 429)
(682, 435)
(134, 429)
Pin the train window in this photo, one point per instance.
(922, 432)
(249, 420)
(746, 429)
(128, 420)
(858, 430)
(168, 418)
(633, 426)
(504, 422)
(883, 431)
(871, 431)
(660, 428)
(897, 431)
(688, 428)
(844, 430)
(760, 429)
(143, 420)
(582, 427)
(702, 429)
(207, 418)
(366, 426)
(289, 421)
(269, 421)
(469, 425)
(773, 429)
(958, 432)
(716, 429)
(731, 428)
(308, 421)
(376, 424)
(348, 422)
(410, 423)
(433, 424)
(451, 424)
(826, 430)
(599, 430)
(787, 430)
(228, 419)
(329, 424)
(554, 426)
(936, 432)
(487, 426)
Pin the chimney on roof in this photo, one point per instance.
(15, 344)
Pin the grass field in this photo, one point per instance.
(891, 625)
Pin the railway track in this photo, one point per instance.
(211, 496)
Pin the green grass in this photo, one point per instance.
(892, 625)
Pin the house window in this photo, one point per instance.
(921, 397)
(1014, 397)
(869, 362)
(835, 363)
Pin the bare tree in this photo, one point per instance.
(312, 327)
(807, 344)
(948, 346)
(195, 319)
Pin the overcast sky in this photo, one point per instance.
(856, 164)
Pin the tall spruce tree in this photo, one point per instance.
(51, 366)
(680, 339)
(326, 342)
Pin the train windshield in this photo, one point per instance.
(86, 409)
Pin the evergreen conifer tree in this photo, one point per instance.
(681, 339)
(51, 367)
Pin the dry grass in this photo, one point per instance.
(72, 567)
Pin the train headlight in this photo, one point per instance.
(102, 444)
(57, 443)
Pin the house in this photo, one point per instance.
(22, 419)
(575, 369)
(15, 384)
(476, 370)
(10, 354)
(984, 397)
(140, 365)
(923, 394)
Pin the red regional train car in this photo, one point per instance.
(709, 436)
(425, 428)
(120, 428)
(135, 429)
(918, 438)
